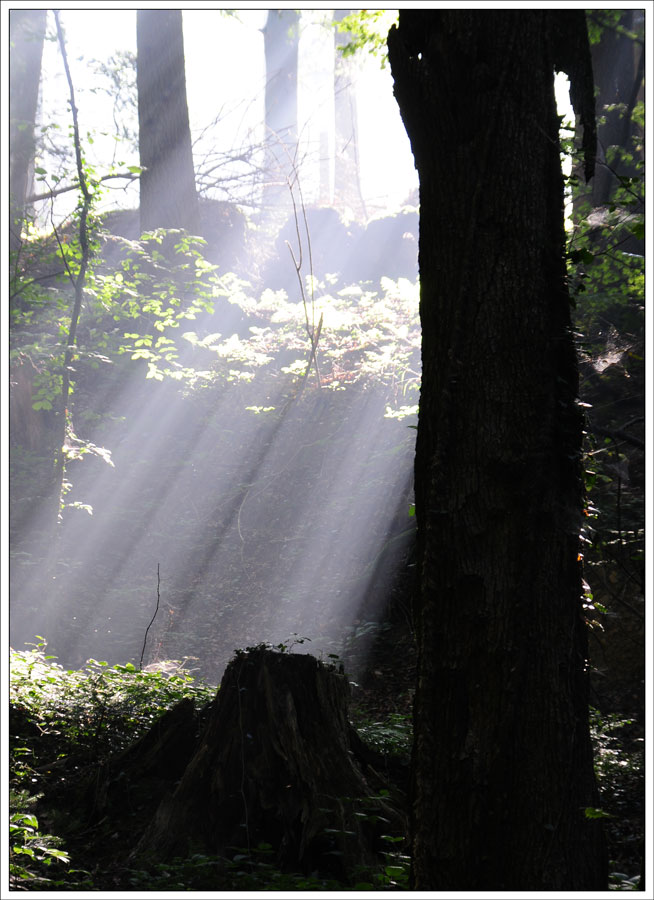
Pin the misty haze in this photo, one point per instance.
(326, 447)
(237, 416)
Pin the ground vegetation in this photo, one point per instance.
(305, 359)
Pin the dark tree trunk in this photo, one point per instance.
(277, 762)
(168, 194)
(26, 34)
(503, 766)
(281, 36)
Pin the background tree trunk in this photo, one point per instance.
(347, 180)
(619, 67)
(281, 37)
(26, 34)
(277, 762)
(502, 757)
(168, 194)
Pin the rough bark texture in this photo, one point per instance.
(146, 768)
(26, 33)
(502, 756)
(168, 195)
(277, 762)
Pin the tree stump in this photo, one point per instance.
(130, 779)
(278, 763)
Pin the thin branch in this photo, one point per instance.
(619, 434)
(151, 620)
(61, 249)
(55, 192)
(81, 275)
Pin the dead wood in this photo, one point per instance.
(277, 763)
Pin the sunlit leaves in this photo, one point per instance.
(366, 336)
(260, 409)
(76, 716)
(154, 373)
(402, 412)
(99, 701)
(297, 367)
(26, 840)
(367, 30)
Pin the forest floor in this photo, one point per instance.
(66, 726)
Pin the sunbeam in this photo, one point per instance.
(245, 431)
(264, 524)
(326, 449)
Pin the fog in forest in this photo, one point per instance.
(240, 427)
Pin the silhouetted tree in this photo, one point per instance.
(26, 34)
(281, 36)
(503, 767)
(168, 194)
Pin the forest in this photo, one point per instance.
(326, 454)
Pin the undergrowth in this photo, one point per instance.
(620, 772)
(62, 722)
(390, 737)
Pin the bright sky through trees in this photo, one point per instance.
(225, 77)
(235, 499)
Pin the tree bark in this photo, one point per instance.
(347, 177)
(281, 36)
(168, 193)
(26, 33)
(143, 770)
(502, 758)
(619, 67)
(277, 762)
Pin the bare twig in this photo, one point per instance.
(619, 434)
(312, 332)
(151, 620)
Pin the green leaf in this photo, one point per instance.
(581, 256)
(638, 230)
(591, 812)
(395, 871)
(59, 854)
(27, 818)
